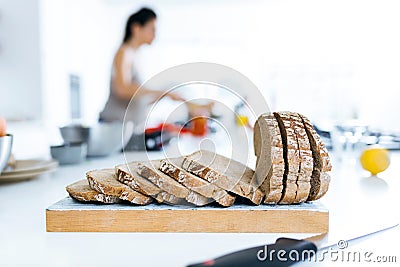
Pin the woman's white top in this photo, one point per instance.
(115, 107)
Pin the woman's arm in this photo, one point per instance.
(123, 84)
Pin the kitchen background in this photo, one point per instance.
(331, 60)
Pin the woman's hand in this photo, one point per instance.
(176, 97)
(160, 94)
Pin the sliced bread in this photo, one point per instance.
(104, 181)
(320, 177)
(81, 191)
(172, 168)
(291, 157)
(150, 171)
(126, 173)
(225, 173)
(306, 160)
(270, 164)
(167, 198)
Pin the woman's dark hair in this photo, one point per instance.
(141, 17)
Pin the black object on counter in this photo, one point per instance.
(284, 252)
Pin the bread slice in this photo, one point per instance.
(126, 173)
(144, 178)
(104, 181)
(81, 191)
(306, 160)
(321, 163)
(291, 158)
(172, 168)
(150, 170)
(225, 173)
(167, 198)
(270, 164)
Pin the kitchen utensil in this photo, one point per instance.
(75, 133)
(199, 126)
(31, 165)
(259, 256)
(5, 150)
(69, 215)
(106, 138)
(27, 169)
(70, 153)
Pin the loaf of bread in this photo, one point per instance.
(305, 159)
(292, 167)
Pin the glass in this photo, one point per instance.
(348, 139)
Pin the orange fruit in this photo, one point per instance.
(3, 127)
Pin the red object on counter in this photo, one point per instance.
(168, 127)
(198, 127)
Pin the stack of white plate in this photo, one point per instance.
(28, 169)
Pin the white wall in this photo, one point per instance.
(332, 60)
(20, 60)
(335, 59)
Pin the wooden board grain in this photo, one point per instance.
(69, 215)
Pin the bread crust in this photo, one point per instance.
(304, 156)
(270, 165)
(225, 173)
(195, 183)
(153, 172)
(321, 163)
(104, 181)
(291, 158)
(81, 191)
(127, 174)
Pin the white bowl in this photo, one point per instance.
(5, 150)
(71, 153)
(106, 138)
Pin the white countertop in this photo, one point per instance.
(357, 205)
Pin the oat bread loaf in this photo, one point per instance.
(225, 173)
(305, 160)
(81, 191)
(292, 167)
(270, 164)
(104, 181)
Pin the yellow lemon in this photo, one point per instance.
(242, 120)
(375, 160)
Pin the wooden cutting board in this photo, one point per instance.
(69, 215)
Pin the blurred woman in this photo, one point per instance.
(125, 82)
